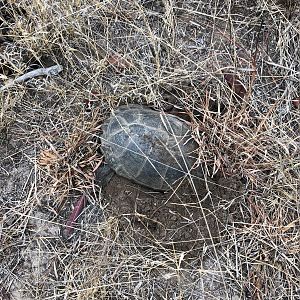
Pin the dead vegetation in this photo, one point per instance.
(232, 66)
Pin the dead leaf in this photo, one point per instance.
(79, 206)
(48, 158)
(235, 85)
(118, 61)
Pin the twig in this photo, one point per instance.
(50, 71)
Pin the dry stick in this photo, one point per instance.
(50, 71)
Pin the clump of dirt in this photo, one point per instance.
(180, 219)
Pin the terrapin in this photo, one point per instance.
(151, 148)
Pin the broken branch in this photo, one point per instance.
(50, 71)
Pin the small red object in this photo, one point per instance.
(296, 103)
(79, 206)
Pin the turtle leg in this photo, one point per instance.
(103, 175)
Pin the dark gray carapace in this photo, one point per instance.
(151, 148)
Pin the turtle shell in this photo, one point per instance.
(151, 148)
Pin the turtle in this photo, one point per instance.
(154, 149)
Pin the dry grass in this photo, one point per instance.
(156, 53)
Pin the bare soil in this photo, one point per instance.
(180, 219)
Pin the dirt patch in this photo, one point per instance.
(180, 219)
